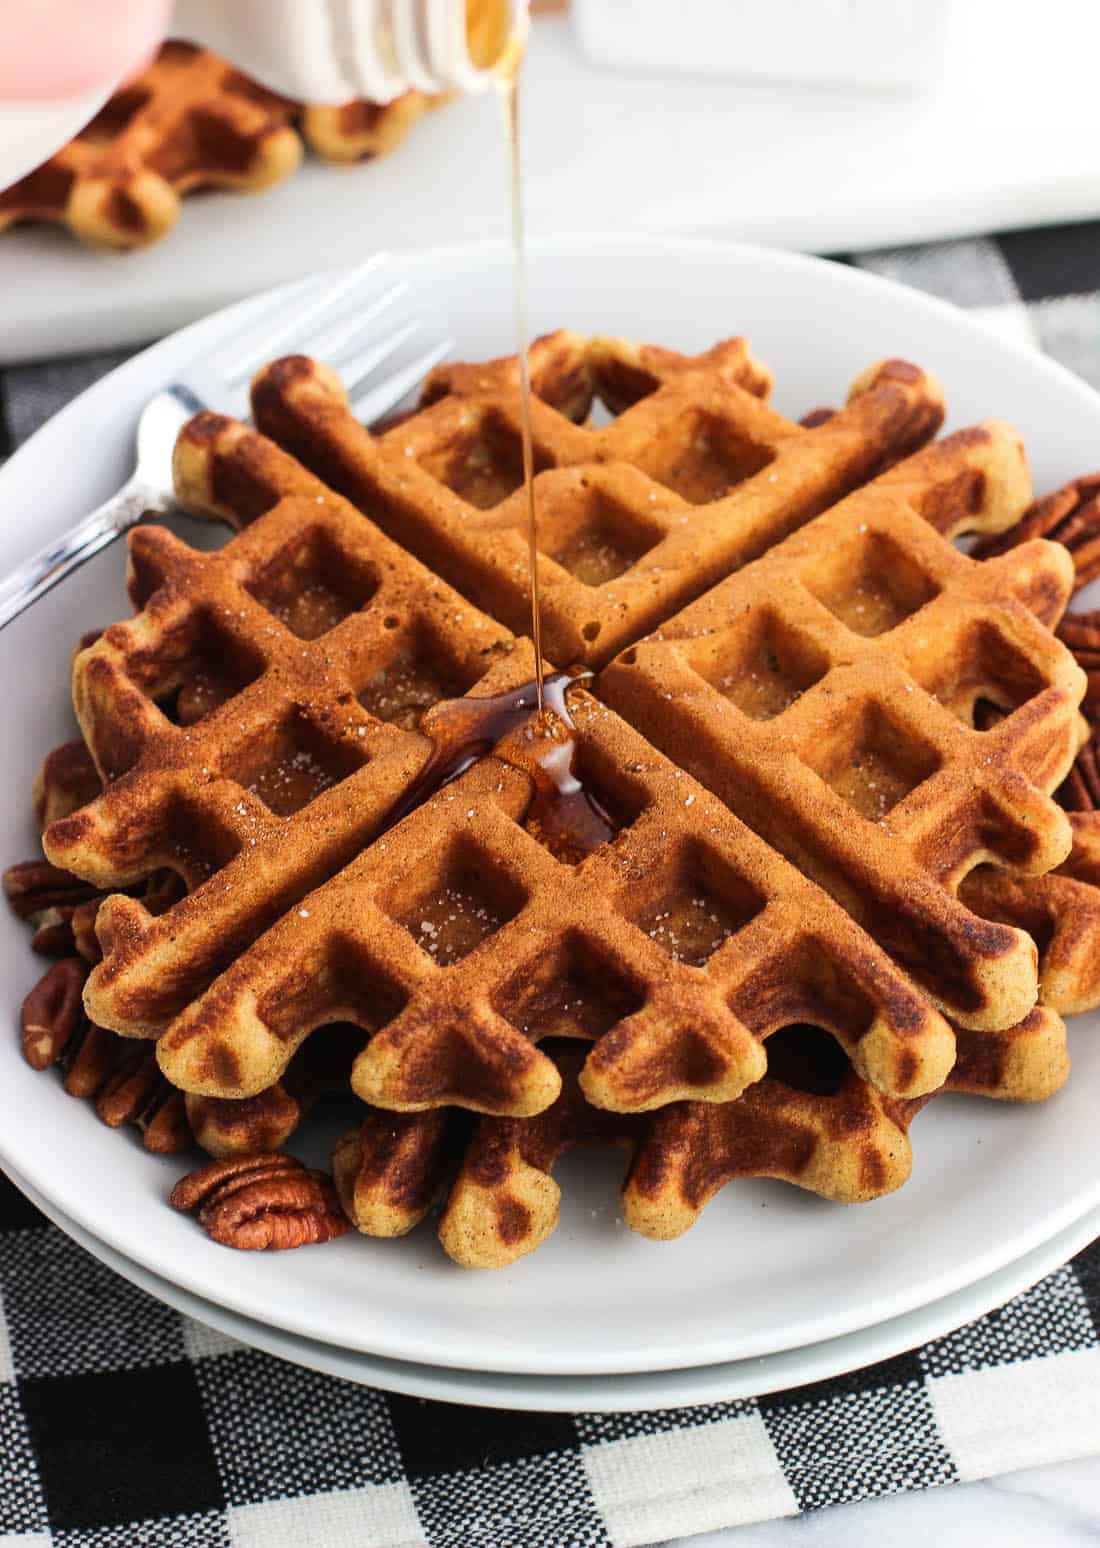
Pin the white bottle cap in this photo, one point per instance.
(335, 50)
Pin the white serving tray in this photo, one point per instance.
(1007, 139)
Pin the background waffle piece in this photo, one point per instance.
(190, 120)
(466, 933)
(636, 518)
(827, 694)
(360, 130)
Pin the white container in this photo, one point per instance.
(334, 50)
(877, 43)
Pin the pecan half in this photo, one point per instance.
(52, 1013)
(82, 928)
(1070, 515)
(35, 887)
(164, 1126)
(137, 1093)
(265, 1201)
(126, 1088)
(126, 1094)
(89, 1059)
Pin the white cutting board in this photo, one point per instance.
(1008, 138)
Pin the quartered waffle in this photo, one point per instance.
(826, 692)
(190, 120)
(695, 475)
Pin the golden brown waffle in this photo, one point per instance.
(843, 1141)
(190, 120)
(359, 131)
(680, 945)
(695, 475)
(811, 1121)
(196, 787)
(703, 942)
(1061, 914)
(827, 693)
(267, 1121)
(251, 724)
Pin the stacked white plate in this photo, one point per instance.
(773, 1287)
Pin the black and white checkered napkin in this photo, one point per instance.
(123, 1423)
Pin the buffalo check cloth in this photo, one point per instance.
(124, 1423)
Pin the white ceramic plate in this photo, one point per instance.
(607, 1394)
(767, 1268)
(820, 169)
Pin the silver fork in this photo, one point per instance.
(333, 322)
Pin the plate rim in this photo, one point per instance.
(540, 1393)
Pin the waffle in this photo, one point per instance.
(267, 1121)
(811, 1121)
(694, 476)
(262, 721)
(827, 692)
(360, 130)
(190, 120)
(132, 665)
(1061, 913)
(467, 925)
(252, 727)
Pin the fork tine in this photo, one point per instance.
(275, 306)
(356, 370)
(331, 345)
(275, 342)
(372, 405)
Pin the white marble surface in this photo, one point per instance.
(1042, 1507)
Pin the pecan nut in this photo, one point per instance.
(1070, 515)
(56, 1030)
(264, 1201)
(82, 928)
(35, 888)
(137, 1093)
(129, 1090)
(164, 1126)
(53, 1012)
(1081, 790)
(89, 1059)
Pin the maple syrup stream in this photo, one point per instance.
(508, 89)
(563, 815)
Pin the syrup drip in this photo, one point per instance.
(508, 88)
(563, 815)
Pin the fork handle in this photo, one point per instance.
(58, 559)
